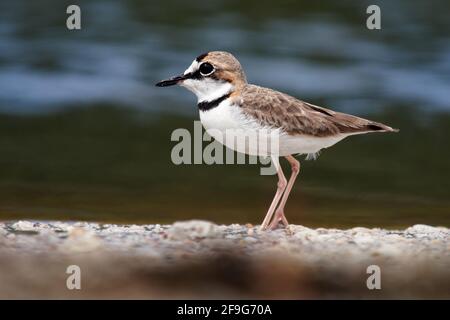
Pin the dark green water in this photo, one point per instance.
(84, 134)
(113, 164)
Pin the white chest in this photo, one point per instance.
(230, 126)
(225, 116)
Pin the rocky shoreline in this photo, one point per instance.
(178, 260)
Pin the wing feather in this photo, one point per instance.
(276, 109)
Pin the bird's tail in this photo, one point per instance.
(379, 127)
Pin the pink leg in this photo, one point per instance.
(279, 214)
(280, 189)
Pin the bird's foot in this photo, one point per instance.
(277, 219)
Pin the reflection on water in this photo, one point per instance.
(102, 164)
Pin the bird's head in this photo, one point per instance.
(210, 76)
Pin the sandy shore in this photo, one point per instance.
(205, 260)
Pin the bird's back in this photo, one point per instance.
(276, 109)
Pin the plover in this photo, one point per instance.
(226, 101)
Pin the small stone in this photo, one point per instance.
(23, 226)
(193, 229)
(250, 239)
(363, 239)
(3, 231)
(80, 240)
(232, 236)
(421, 228)
(303, 233)
(360, 231)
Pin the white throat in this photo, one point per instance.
(206, 89)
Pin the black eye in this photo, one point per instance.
(206, 68)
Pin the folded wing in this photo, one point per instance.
(276, 109)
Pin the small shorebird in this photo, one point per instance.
(227, 102)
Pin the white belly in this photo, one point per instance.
(230, 126)
(303, 144)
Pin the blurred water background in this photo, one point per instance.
(84, 134)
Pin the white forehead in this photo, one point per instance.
(193, 67)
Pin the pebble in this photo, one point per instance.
(80, 240)
(192, 229)
(23, 226)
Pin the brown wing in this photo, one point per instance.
(276, 109)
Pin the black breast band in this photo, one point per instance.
(208, 105)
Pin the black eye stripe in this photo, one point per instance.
(196, 75)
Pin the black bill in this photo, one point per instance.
(172, 81)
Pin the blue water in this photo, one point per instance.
(324, 55)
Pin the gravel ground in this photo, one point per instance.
(199, 259)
